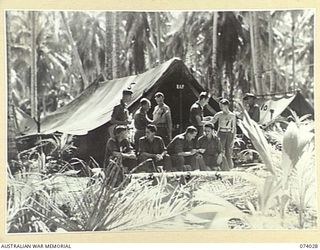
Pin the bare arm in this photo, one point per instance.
(215, 118)
(198, 119)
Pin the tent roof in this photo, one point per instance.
(273, 106)
(94, 106)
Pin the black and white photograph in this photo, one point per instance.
(121, 121)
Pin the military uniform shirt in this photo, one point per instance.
(113, 145)
(180, 144)
(141, 120)
(120, 112)
(212, 145)
(152, 147)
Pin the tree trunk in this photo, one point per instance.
(272, 80)
(158, 38)
(34, 92)
(293, 18)
(12, 147)
(108, 45)
(116, 45)
(214, 51)
(255, 50)
(286, 87)
(229, 67)
(151, 44)
(75, 51)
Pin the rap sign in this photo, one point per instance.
(180, 86)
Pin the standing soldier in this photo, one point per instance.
(253, 108)
(141, 120)
(120, 114)
(196, 112)
(226, 131)
(162, 118)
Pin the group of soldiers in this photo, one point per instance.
(200, 147)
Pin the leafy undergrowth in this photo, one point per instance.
(226, 200)
(278, 192)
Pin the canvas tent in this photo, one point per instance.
(88, 115)
(273, 106)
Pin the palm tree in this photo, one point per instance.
(116, 45)
(293, 19)
(158, 37)
(12, 147)
(272, 80)
(214, 49)
(34, 89)
(108, 44)
(255, 49)
(75, 52)
(51, 56)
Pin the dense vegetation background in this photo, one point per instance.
(61, 53)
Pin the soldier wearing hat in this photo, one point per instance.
(253, 108)
(196, 112)
(162, 118)
(120, 114)
(226, 131)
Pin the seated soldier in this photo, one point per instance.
(211, 149)
(119, 148)
(183, 152)
(152, 147)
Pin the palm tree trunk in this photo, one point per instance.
(258, 51)
(229, 66)
(97, 59)
(292, 47)
(254, 38)
(108, 45)
(253, 53)
(151, 44)
(214, 50)
(158, 38)
(272, 80)
(116, 44)
(12, 147)
(34, 92)
(75, 51)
